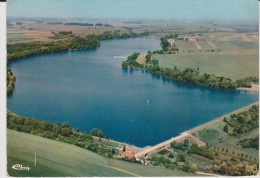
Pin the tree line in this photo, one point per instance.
(79, 24)
(194, 76)
(109, 35)
(21, 50)
(190, 75)
(250, 143)
(10, 81)
(72, 42)
(60, 132)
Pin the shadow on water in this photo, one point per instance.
(181, 84)
(155, 76)
(9, 95)
(130, 70)
(125, 69)
(58, 53)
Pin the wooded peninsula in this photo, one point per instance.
(190, 75)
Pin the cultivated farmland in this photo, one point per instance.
(232, 57)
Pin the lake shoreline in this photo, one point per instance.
(190, 131)
(219, 119)
(254, 88)
(134, 149)
(132, 140)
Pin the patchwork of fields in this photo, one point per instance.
(235, 59)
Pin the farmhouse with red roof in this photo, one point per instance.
(127, 154)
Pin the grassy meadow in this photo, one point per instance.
(61, 159)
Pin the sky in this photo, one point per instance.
(136, 9)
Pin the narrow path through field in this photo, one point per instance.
(212, 45)
(208, 174)
(121, 170)
(197, 45)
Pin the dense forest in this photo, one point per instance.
(60, 132)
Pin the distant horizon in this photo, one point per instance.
(189, 10)
(256, 22)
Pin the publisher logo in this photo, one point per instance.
(20, 167)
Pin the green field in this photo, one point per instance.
(186, 45)
(236, 60)
(234, 66)
(61, 159)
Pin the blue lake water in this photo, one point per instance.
(89, 89)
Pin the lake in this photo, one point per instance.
(89, 89)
